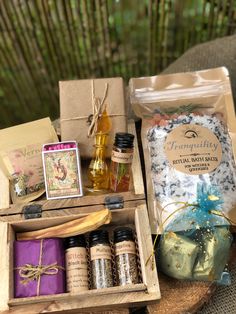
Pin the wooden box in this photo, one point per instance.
(131, 295)
(49, 208)
(127, 207)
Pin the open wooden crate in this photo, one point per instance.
(131, 295)
(49, 208)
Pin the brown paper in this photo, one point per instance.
(209, 89)
(76, 108)
(21, 157)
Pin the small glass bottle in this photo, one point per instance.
(76, 264)
(101, 263)
(121, 160)
(98, 172)
(125, 256)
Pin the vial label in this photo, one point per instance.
(125, 247)
(123, 158)
(76, 269)
(100, 252)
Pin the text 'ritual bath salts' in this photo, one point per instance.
(189, 140)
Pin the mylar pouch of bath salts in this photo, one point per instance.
(179, 164)
(189, 139)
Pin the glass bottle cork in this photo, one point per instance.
(76, 264)
(101, 263)
(121, 160)
(125, 256)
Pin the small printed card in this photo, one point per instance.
(62, 170)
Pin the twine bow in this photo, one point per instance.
(30, 272)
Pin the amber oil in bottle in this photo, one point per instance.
(98, 172)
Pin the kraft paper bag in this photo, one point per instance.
(76, 110)
(195, 109)
(21, 158)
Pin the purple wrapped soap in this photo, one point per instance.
(39, 267)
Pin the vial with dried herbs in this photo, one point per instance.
(76, 264)
(121, 161)
(101, 259)
(125, 256)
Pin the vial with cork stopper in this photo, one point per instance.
(121, 161)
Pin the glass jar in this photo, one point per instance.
(121, 161)
(101, 259)
(76, 264)
(125, 256)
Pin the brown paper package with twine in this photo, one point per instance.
(81, 104)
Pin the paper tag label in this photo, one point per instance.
(100, 252)
(123, 158)
(125, 247)
(193, 149)
(76, 269)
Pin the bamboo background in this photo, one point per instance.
(44, 41)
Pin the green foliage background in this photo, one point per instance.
(44, 41)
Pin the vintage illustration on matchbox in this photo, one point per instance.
(62, 174)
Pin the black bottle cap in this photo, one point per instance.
(76, 241)
(124, 140)
(98, 237)
(123, 234)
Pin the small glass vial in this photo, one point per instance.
(76, 264)
(101, 262)
(125, 256)
(121, 160)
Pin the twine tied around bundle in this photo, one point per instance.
(30, 272)
(98, 107)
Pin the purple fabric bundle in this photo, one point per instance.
(47, 254)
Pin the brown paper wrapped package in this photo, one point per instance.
(76, 105)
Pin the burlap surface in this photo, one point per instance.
(219, 52)
(216, 53)
(224, 299)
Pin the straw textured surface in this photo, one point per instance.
(224, 300)
(216, 53)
